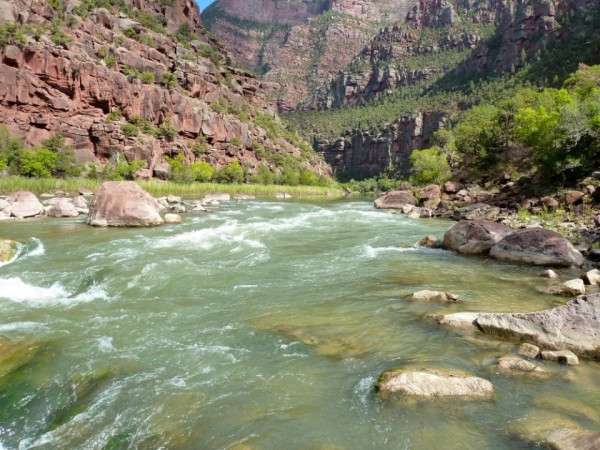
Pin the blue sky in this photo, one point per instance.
(204, 3)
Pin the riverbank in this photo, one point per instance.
(71, 186)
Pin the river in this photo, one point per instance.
(260, 325)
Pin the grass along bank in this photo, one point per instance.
(159, 188)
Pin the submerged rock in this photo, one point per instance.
(514, 364)
(435, 296)
(8, 249)
(123, 204)
(537, 246)
(25, 204)
(555, 432)
(474, 236)
(395, 200)
(574, 326)
(433, 384)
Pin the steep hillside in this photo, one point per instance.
(417, 75)
(298, 44)
(136, 80)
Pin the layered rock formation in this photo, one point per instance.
(84, 72)
(298, 44)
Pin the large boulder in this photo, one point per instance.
(123, 204)
(429, 196)
(433, 384)
(574, 326)
(395, 200)
(25, 204)
(537, 246)
(474, 236)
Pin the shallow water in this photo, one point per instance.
(262, 325)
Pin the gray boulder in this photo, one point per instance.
(474, 236)
(123, 204)
(537, 246)
(63, 208)
(574, 326)
(25, 204)
(429, 383)
(395, 200)
(477, 211)
(8, 249)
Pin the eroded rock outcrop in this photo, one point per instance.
(8, 249)
(123, 204)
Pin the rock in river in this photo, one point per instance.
(8, 248)
(433, 384)
(537, 246)
(474, 236)
(123, 204)
(435, 296)
(574, 326)
(395, 200)
(25, 204)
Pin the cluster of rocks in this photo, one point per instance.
(115, 203)
(24, 205)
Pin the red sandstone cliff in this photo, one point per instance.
(69, 84)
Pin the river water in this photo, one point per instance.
(260, 325)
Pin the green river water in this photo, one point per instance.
(261, 325)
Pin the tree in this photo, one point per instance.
(430, 166)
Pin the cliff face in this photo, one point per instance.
(85, 72)
(437, 40)
(298, 45)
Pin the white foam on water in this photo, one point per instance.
(39, 249)
(372, 252)
(16, 290)
(364, 388)
(19, 326)
(105, 343)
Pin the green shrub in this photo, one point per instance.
(167, 131)
(119, 169)
(147, 77)
(37, 163)
(232, 173)
(130, 130)
(10, 33)
(168, 80)
(236, 141)
(264, 175)
(430, 166)
(202, 171)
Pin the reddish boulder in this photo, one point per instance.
(395, 200)
(123, 204)
(537, 246)
(573, 197)
(474, 237)
(429, 196)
